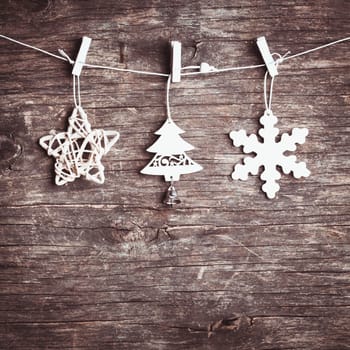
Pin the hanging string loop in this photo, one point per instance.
(76, 91)
(268, 100)
(168, 97)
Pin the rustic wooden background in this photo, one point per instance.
(85, 266)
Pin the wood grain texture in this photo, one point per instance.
(108, 267)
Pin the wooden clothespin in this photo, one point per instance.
(266, 55)
(81, 58)
(175, 61)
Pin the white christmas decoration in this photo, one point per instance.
(79, 151)
(269, 154)
(170, 160)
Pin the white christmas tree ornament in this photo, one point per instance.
(170, 158)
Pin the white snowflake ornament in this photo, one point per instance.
(269, 154)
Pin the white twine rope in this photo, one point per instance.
(220, 70)
(280, 60)
(32, 47)
(168, 97)
(65, 57)
(268, 102)
(76, 91)
(317, 48)
(111, 68)
(125, 70)
(76, 82)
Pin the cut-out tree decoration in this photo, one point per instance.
(269, 154)
(79, 150)
(170, 158)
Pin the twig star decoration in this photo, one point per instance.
(269, 154)
(79, 151)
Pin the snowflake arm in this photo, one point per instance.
(297, 136)
(251, 166)
(240, 138)
(270, 175)
(299, 169)
(249, 143)
(288, 143)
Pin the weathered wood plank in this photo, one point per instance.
(108, 267)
